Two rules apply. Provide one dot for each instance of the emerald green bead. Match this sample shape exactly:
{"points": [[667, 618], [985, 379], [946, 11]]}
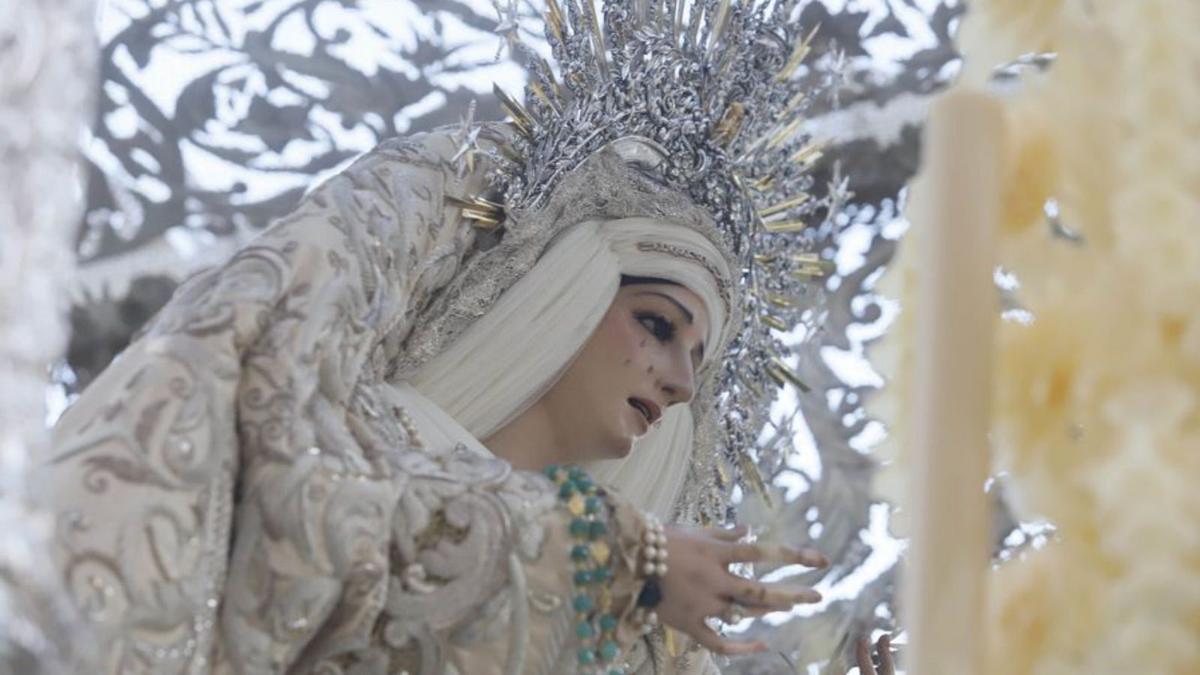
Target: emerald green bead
{"points": [[552, 472], [586, 656], [583, 603], [580, 528], [583, 577], [576, 473], [608, 623], [597, 529], [609, 650], [566, 490], [592, 505], [580, 552], [584, 630], [601, 574], [583, 484]]}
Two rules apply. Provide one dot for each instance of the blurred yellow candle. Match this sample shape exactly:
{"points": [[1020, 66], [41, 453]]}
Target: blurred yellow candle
{"points": [[955, 205]]}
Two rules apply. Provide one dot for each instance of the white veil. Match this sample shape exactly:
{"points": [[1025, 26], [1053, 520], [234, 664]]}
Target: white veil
{"points": [[509, 357]]}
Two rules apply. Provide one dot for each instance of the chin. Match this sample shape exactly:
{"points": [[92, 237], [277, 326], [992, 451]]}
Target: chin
{"points": [[620, 449]]}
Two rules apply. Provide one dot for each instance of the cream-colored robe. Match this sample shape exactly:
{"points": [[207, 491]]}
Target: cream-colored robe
{"points": [[241, 491]]}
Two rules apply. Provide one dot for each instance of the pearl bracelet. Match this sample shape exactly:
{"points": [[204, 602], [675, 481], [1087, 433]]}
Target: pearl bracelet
{"points": [[654, 549], [653, 567]]}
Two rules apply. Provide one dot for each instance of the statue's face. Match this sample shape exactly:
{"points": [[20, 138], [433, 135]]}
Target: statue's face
{"points": [[641, 360]]}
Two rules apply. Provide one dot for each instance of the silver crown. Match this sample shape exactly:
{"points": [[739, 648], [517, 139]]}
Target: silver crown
{"points": [[718, 87], [714, 87]]}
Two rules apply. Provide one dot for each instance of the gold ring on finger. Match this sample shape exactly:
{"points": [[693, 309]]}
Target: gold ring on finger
{"points": [[736, 613]]}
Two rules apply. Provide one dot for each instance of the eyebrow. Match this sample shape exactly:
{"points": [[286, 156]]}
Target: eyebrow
{"points": [[687, 314]]}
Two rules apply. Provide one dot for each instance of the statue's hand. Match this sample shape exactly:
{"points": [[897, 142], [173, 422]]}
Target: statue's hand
{"points": [[698, 584]]}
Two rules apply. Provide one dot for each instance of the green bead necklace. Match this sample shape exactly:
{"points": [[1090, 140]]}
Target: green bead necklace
{"points": [[595, 625]]}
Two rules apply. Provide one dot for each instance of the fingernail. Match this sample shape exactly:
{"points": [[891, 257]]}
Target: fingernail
{"points": [[808, 596]]}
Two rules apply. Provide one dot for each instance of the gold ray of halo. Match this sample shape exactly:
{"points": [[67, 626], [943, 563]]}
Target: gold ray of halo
{"points": [[754, 477], [554, 19], [784, 133], [809, 154], [763, 183], [792, 203], [784, 226], [521, 117], [794, 104], [797, 57], [544, 97], [482, 221], [774, 322], [780, 301], [722, 472], [782, 374], [486, 213], [601, 52], [810, 272]]}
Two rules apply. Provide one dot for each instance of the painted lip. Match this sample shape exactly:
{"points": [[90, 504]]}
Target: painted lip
{"points": [[648, 410], [643, 425]]}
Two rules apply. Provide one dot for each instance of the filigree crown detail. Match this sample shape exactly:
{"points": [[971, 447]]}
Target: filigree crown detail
{"points": [[712, 84], [721, 87]]}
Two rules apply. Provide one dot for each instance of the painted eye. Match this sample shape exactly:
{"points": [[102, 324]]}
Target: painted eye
{"points": [[662, 329]]}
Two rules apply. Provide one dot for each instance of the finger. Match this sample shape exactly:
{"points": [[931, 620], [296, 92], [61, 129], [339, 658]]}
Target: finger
{"points": [[786, 555], [748, 612], [731, 534], [884, 649], [744, 552], [773, 597], [862, 654], [710, 640], [737, 612], [794, 556]]}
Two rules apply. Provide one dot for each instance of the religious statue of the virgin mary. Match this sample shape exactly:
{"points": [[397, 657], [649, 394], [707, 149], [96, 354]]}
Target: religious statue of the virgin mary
{"points": [[476, 404]]}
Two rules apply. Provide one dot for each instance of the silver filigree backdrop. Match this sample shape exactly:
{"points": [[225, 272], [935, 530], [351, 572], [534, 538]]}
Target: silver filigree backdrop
{"points": [[215, 114]]}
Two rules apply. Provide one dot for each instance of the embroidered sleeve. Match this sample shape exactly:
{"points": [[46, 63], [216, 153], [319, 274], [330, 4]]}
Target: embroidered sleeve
{"points": [[220, 488]]}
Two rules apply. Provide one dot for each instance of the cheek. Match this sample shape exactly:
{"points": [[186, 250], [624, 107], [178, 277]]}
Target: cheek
{"points": [[626, 341]]}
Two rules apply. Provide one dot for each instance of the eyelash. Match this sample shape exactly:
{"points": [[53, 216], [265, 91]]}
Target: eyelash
{"points": [[662, 329]]}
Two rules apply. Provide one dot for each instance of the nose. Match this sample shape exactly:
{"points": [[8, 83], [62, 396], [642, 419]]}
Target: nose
{"points": [[678, 381]]}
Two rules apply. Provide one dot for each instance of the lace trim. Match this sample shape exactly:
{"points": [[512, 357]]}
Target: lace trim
{"points": [[699, 259]]}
